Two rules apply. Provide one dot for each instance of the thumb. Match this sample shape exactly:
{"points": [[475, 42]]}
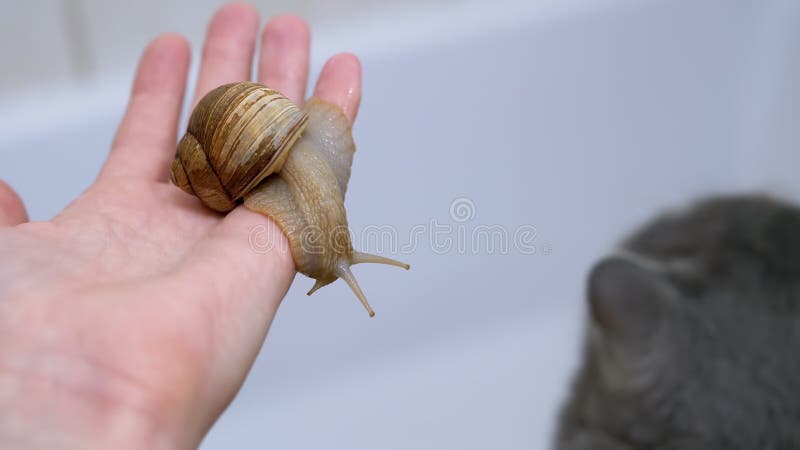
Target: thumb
{"points": [[12, 211]]}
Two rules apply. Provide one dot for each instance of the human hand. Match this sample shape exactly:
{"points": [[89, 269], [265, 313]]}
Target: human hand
{"points": [[131, 319]]}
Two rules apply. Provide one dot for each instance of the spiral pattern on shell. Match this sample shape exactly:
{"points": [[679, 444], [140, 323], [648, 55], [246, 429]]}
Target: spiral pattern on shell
{"points": [[237, 135]]}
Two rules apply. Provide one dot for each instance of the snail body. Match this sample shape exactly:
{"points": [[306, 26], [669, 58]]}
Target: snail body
{"points": [[248, 143]]}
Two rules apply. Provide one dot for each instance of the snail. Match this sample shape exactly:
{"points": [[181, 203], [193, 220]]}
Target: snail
{"points": [[246, 143]]}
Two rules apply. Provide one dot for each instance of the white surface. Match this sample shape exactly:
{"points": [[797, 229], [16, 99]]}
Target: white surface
{"points": [[33, 44], [67, 41], [580, 118]]}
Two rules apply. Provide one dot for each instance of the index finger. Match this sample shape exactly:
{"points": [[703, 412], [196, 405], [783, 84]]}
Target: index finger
{"points": [[145, 141]]}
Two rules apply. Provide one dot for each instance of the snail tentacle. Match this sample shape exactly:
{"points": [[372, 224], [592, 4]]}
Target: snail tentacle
{"points": [[319, 284], [343, 272], [361, 257]]}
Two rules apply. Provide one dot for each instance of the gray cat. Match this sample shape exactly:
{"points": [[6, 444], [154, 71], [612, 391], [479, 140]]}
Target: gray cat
{"points": [[693, 341]]}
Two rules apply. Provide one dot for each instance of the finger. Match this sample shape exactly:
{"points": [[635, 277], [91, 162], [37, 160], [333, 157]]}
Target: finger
{"points": [[145, 141], [283, 63], [340, 83], [228, 51], [12, 211]]}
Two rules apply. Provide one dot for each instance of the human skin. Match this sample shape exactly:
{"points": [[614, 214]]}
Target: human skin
{"points": [[131, 319]]}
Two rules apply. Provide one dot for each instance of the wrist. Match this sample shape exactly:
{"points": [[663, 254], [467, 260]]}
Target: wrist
{"points": [[57, 401]]}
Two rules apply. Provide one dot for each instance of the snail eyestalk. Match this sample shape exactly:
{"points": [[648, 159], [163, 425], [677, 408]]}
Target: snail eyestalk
{"points": [[344, 273], [360, 257]]}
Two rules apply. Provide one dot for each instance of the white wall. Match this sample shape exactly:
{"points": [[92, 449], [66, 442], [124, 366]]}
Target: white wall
{"points": [[70, 41]]}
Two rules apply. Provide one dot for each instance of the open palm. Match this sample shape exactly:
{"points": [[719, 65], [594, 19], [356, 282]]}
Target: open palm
{"points": [[132, 318]]}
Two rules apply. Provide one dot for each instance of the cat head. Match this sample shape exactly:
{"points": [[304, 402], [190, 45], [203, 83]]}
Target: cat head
{"points": [[692, 335]]}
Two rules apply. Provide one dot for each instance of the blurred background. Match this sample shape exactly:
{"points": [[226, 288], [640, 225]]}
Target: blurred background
{"points": [[504, 146]]}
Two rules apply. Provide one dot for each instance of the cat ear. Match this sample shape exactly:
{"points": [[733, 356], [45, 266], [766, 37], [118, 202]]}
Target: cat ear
{"points": [[629, 298]]}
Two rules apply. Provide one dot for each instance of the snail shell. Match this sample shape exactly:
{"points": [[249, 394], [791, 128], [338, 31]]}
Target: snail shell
{"points": [[229, 147], [240, 134]]}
